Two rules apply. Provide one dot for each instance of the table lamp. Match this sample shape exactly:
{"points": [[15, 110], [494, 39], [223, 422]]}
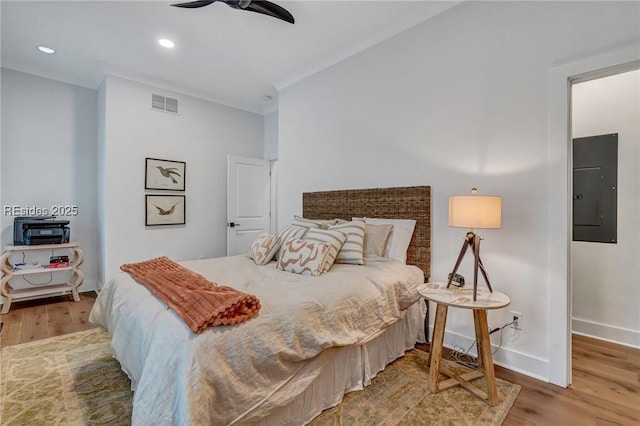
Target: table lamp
{"points": [[474, 212]]}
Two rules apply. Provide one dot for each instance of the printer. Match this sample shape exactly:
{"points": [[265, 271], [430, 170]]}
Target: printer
{"points": [[28, 231]]}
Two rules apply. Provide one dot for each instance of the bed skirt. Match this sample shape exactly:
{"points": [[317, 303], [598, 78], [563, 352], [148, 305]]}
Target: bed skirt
{"points": [[340, 370]]}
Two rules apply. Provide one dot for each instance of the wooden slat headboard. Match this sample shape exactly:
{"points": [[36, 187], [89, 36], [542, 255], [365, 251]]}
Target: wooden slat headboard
{"points": [[411, 202]]}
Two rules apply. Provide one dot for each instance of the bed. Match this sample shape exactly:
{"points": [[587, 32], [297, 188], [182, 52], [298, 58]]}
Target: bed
{"points": [[315, 338]]}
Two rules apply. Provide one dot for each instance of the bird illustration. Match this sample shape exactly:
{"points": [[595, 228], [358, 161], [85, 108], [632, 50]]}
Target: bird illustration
{"points": [[167, 172], [163, 212]]}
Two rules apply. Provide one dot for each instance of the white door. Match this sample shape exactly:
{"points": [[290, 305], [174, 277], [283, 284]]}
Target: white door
{"points": [[248, 202]]}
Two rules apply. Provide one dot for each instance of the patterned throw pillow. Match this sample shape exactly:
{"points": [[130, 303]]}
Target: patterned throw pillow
{"points": [[334, 238], [263, 248], [303, 257], [287, 233], [352, 250]]}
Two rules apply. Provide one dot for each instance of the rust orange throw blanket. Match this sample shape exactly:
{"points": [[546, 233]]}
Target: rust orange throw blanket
{"points": [[199, 302]]}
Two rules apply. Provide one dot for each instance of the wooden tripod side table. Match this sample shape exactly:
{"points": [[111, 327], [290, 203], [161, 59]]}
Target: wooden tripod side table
{"points": [[463, 298]]}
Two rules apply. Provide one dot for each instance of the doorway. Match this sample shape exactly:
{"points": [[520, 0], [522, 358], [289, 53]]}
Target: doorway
{"points": [[605, 294], [558, 276]]}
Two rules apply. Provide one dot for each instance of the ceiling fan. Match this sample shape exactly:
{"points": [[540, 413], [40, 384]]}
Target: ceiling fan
{"points": [[264, 7]]}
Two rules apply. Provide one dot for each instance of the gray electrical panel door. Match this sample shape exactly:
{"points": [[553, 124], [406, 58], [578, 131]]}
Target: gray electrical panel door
{"points": [[595, 179]]}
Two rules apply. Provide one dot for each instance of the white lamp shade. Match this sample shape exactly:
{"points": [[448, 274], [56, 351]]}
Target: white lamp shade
{"points": [[475, 211]]}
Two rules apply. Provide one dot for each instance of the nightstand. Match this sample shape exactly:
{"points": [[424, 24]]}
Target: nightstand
{"points": [[463, 298]]}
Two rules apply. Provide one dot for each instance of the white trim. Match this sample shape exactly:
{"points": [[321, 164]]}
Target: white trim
{"points": [[607, 332], [323, 63], [508, 358], [559, 254], [168, 86], [89, 285], [273, 224]]}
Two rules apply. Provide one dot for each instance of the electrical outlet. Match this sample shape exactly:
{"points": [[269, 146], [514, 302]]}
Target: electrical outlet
{"points": [[516, 317]]}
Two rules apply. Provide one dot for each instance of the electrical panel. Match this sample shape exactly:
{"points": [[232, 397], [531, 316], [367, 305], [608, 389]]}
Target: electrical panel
{"points": [[595, 179]]}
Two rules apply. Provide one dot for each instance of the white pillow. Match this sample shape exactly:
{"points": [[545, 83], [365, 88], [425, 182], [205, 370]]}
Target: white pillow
{"points": [[375, 239], [335, 239], [400, 237], [303, 257], [263, 248], [313, 223], [352, 250]]}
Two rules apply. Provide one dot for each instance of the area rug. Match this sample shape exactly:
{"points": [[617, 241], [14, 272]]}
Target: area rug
{"points": [[399, 396], [74, 380]]}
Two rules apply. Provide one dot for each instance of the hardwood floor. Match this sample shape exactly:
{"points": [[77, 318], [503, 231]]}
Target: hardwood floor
{"points": [[38, 319], [605, 389]]}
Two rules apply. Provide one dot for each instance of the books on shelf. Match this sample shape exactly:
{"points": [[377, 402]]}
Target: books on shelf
{"points": [[58, 261]]}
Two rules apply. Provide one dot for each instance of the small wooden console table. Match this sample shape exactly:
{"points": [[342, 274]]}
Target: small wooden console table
{"points": [[8, 272], [463, 298]]}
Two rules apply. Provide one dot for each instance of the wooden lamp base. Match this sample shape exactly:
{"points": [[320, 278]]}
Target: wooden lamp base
{"points": [[471, 240]]}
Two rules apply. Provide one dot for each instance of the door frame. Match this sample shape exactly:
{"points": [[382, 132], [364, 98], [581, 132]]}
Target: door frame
{"points": [[560, 80], [270, 200]]}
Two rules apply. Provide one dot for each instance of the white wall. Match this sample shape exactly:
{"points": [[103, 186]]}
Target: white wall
{"points": [[202, 135], [456, 102], [49, 157], [605, 276], [271, 136]]}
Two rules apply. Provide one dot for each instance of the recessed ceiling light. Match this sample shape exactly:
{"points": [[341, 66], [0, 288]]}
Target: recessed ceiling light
{"points": [[166, 43], [47, 50], [267, 97]]}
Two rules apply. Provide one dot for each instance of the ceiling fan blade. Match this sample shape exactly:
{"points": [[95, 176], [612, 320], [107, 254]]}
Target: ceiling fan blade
{"points": [[194, 4], [271, 9]]}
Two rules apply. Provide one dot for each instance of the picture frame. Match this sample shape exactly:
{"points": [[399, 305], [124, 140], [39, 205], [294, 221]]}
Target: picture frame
{"points": [[166, 175], [165, 210]]}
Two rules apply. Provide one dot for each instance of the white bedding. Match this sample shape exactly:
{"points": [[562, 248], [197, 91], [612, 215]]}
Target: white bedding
{"points": [[231, 374]]}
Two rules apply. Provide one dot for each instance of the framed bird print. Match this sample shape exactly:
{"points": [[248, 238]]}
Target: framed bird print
{"points": [[164, 174], [165, 210]]}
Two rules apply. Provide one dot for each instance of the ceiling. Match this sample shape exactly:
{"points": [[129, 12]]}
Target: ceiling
{"points": [[221, 54]]}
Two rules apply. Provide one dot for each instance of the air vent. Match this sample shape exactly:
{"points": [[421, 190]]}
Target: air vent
{"points": [[171, 105], [163, 103], [157, 102]]}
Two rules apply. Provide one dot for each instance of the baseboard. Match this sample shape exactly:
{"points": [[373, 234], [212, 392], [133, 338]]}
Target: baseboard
{"points": [[519, 362], [88, 285], [607, 332]]}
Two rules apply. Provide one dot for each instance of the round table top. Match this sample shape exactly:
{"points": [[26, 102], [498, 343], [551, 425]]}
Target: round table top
{"points": [[463, 297]]}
